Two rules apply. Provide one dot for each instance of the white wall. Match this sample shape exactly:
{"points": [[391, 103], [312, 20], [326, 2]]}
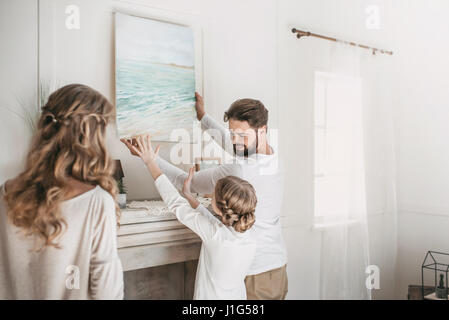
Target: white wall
{"points": [[18, 81], [249, 51], [422, 135]]}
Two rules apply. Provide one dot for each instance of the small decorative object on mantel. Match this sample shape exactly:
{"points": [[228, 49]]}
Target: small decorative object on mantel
{"points": [[118, 176], [437, 262]]}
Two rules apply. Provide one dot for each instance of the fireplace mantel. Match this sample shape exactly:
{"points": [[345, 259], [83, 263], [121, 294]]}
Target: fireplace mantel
{"points": [[146, 239]]}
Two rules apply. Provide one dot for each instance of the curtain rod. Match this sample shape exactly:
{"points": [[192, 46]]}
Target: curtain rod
{"points": [[300, 34]]}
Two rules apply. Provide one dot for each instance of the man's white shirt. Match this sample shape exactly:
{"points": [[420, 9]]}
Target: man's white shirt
{"points": [[265, 173]]}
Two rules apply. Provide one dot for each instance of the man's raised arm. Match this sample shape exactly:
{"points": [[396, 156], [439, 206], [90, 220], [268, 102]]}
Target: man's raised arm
{"points": [[215, 129]]}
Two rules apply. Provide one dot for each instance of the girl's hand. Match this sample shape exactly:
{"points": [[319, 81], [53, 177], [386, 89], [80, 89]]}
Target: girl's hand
{"points": [[194, 203], [187, 182], [141, 146], [129, 143]]}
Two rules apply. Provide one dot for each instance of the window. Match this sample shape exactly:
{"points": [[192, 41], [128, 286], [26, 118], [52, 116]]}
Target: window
{"points": [[339, 191]]}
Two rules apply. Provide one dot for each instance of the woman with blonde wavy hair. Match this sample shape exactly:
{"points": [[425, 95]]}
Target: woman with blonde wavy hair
{"points": [[58, 217], [229, 244]]}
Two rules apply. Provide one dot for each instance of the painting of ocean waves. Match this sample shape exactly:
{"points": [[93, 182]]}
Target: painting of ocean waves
{"points": [[155, 77]]}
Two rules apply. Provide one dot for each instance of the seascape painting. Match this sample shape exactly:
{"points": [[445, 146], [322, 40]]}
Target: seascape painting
{"points": [[155, 77]]}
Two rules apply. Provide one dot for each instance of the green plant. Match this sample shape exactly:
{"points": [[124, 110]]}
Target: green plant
{"points": [[28, 111], [121, 186], [44, 93]]}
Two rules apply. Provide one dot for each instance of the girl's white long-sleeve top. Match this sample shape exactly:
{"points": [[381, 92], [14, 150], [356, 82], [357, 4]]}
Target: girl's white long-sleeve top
{"points": [[226, 255]]}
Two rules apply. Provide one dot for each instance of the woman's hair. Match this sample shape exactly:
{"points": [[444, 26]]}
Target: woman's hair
{"points": [[69, 143], [236, 199]]}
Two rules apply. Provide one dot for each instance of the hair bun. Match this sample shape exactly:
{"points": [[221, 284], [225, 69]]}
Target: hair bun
{"points": [[236, 199]]}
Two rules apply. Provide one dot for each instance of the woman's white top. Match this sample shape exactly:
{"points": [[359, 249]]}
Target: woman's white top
{"points": [[86, 267], [226, 255]]}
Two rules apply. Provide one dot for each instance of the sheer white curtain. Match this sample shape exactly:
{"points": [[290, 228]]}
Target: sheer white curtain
{"points": [[343, 196]]}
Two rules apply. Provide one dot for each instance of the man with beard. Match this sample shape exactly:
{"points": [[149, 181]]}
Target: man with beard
{"points": [[257, 162]]}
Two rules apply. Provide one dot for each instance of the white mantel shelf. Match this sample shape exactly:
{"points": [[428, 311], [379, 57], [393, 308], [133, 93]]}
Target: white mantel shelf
{"points": [[148, 240]]}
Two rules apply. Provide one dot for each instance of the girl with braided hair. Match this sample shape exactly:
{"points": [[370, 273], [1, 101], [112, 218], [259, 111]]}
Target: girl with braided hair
{"points": [[228, 241]]}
